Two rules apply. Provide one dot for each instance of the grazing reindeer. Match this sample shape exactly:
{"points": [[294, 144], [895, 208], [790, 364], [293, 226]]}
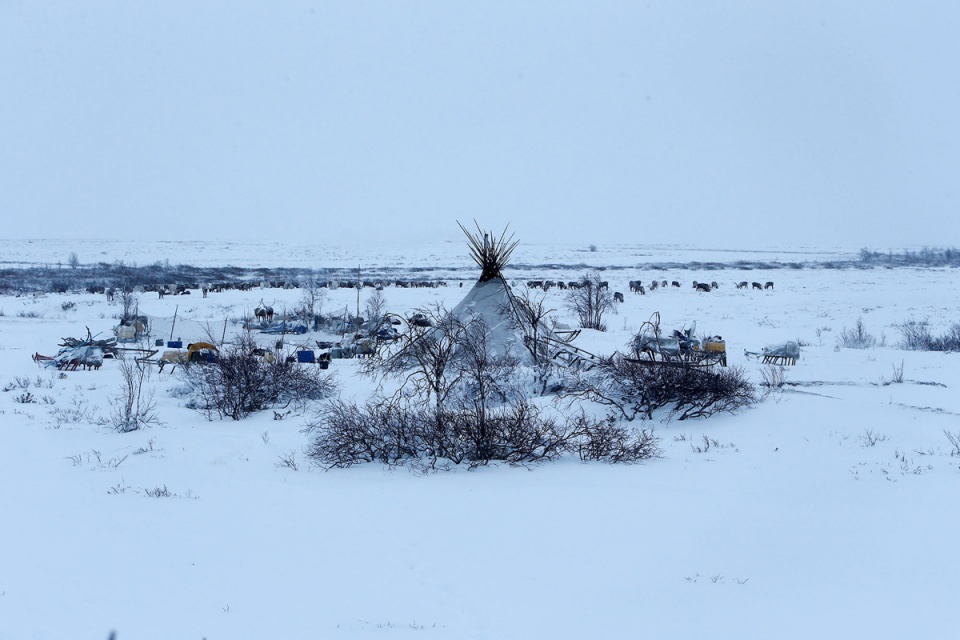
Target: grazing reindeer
{"points": [[702, 286], [617, 296], [769, 285], [673, 284], [654, 285], [757, 285], [742, 285], [264, 312], [714, 285]]}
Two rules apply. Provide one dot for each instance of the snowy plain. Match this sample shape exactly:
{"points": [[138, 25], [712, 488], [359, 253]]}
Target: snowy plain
{"points": [[827, 510]]}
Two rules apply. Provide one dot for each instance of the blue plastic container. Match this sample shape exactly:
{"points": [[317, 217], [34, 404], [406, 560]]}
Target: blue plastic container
{"points": [[175, 344], [306, 356]]}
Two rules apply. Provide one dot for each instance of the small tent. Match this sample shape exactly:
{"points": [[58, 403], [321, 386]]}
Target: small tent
{"points": [[491, 299]]}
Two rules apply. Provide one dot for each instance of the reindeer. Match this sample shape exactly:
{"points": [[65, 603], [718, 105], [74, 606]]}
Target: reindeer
{"points": [[742, 285], [617, 296], [264, 313], [769, 285], [673, 284], [702, 286]]}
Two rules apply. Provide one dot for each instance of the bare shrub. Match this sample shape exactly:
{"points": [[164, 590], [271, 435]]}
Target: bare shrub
{"points": [[397, 432], [954, 439], [590, 301], [239, 382], [425, 357], [707, 441], [612, 441], [636, 388], [870, 438], [531, 314], [134, 407], [773, 377], [375, 309], [917, 336], [856, 338], [288, 461], [897, 374]]}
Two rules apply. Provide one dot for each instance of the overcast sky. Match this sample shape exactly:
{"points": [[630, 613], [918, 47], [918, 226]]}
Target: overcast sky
{"points": [[714, 123]]}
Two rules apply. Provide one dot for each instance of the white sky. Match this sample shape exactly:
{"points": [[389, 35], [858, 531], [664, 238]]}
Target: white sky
{"points": [[720, 124]]}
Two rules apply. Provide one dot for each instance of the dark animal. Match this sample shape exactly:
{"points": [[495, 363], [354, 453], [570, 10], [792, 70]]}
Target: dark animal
{"points": [[263, 312], [617, 296], [702, 286], [714, 285], [742, 285], [654, 285], [769, 285], [757, 285], [674, 283]]}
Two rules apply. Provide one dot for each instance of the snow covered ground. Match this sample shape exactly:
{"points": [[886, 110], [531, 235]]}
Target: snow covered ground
{"points": [[828, 510]]}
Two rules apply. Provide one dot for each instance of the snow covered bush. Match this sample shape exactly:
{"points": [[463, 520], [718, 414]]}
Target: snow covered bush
{"points": [[134, 407], [240, 382], [609, 440], [917, 336], [590, 300], [398, 432], [633, 388], [857, 338]]}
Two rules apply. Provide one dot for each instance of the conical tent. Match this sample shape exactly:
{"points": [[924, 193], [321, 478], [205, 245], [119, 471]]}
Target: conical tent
{"points": [[490, 299]]}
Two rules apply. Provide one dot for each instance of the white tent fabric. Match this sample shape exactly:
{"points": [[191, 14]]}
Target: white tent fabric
{"points": [[492, 302]]}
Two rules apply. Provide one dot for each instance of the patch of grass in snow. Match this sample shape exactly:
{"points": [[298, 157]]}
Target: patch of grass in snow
{"points": [[870, 438]]}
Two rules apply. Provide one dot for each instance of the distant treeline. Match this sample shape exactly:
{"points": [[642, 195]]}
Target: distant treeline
{"points": [[926, 257]]}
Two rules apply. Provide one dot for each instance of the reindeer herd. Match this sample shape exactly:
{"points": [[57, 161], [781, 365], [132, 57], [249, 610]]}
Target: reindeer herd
{"points": [[638, 286]]}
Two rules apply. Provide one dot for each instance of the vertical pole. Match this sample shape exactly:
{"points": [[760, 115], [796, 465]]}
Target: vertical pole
{"points": [[177, 308]]}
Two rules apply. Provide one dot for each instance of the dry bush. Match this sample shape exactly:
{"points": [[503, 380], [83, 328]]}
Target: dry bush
{"points": [[590, 301], [856, 338], [134, 407], [611, 441], [918, 337], [635, 388], [954, 439], [773, 377], [403, 433], [239, 382]]}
